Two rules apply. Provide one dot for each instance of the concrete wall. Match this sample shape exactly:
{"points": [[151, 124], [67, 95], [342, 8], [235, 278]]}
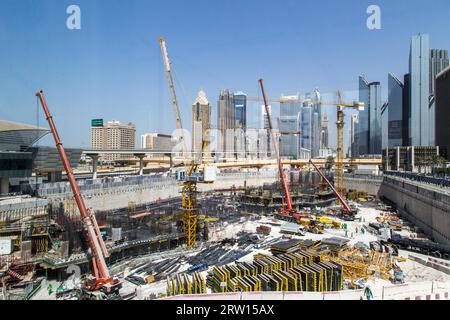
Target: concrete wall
{"points": [[109, 196], [427, 208], [371, 185]]}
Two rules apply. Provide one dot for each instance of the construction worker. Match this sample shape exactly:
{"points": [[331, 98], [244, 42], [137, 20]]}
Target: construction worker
{"points": [[50, 289], [368, 293]]}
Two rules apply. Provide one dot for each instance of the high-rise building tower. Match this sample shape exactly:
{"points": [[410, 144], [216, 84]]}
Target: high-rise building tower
{"points": [[240, 111], [368, 129], [264, 136], [201, 125], [438, 62], [375, 105], [226, 122], [406, 112], [362, 129], [290, 126], [384, 125], [306, 130], [113, 136], [395, 112], [419, 69], [442, 129], [353, 127], [324, 131], [316, 124]]}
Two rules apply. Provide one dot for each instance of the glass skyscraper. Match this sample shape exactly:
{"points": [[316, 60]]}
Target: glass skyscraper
{"points": [[306, 130], [375, 118], [438, 62], [290, 126], [394, 113], [362, 127], [368, 128], [240, 108], [419, 90]]}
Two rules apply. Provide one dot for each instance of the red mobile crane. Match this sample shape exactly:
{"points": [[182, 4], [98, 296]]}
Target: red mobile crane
{"points": [[102, 280], [289, 210], [348, 213]]}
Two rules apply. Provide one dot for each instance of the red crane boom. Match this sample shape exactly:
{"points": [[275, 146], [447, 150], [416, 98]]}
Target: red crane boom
{"points": [[95, 240], [347, 208], [277, 154]]}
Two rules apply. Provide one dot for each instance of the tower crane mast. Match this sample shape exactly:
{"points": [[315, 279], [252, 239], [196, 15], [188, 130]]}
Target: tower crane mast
{"points": [[191, 177]]}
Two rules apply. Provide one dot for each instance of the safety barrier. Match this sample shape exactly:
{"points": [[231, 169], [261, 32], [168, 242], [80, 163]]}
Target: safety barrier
{"points": [[427, 290]]}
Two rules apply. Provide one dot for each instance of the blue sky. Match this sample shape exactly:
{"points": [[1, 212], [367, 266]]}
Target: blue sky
{"points": [[112, 68]]}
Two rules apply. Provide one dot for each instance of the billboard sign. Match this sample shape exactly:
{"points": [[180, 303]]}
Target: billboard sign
{"points": [[97, 122]]}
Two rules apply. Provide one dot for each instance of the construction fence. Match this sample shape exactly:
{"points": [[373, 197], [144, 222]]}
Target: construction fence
{"points": [[427, 290]]}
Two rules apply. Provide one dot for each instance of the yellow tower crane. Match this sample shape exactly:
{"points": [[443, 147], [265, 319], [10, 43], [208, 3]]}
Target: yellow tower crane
{"points": [[194, 172], [339, 183]]}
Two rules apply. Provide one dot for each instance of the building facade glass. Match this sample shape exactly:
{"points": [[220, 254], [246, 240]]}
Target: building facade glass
{"points": [[290, 126], [419, 70], [395, 112]]}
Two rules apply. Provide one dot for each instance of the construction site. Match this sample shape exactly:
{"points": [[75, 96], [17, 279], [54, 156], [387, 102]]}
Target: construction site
{"points": [[206, 229]]}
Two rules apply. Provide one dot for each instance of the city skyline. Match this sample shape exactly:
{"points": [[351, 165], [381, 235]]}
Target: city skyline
{"points": [[112, 66]]}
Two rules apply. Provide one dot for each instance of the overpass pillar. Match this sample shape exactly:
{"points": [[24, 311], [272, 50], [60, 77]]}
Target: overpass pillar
{"points": [[141, 157], [4, 186], [94, 157], [170, 160]]}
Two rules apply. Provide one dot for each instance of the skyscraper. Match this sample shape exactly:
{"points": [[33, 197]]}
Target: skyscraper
{"points": [[406, 112], [240, 107], [306, 130], [395, 112], [384, 125], [443, 110], [264, 135], [353, 126], [240, 110], [438, 62], [316, 125], [226, 122], [324, 131], [290, 126], [419, 69], [201, 124], [375, 118], [368, 129], [362, 128]]}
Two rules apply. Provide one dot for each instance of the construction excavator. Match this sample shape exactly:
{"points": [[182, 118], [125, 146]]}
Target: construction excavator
{"points": [[100, 285]]}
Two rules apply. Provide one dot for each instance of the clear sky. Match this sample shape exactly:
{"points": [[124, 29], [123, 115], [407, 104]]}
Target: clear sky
{"points": [[112, 68]]}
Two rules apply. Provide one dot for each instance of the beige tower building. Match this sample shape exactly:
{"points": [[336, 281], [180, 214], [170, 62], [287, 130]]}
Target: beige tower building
{"points": [[113, 136], [201, 124]]}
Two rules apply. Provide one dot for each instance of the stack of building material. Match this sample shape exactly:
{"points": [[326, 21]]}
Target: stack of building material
{"points": [[293, 271], [182, 283], [358, 264], [287, 246]]}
